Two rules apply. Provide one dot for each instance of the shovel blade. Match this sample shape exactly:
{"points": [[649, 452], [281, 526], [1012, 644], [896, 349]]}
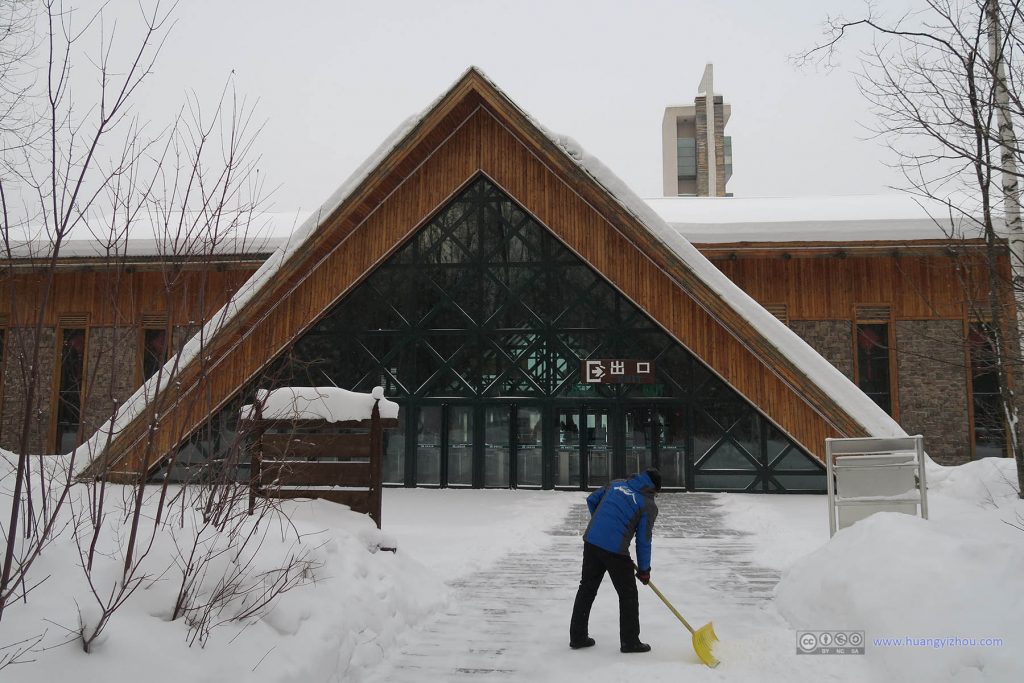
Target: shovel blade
{"points": [[704, 640]]}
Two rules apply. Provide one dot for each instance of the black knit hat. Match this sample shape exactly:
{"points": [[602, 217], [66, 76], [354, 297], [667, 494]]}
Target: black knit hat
{"points": [[655, 476]]}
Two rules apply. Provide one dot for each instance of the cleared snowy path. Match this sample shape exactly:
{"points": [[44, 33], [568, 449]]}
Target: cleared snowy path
{"points": [[509, 622]]}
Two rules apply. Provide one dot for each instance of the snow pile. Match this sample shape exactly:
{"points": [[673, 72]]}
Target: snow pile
{"points": [[320, 403], [991, 482], [349, 604], [939, 599]]}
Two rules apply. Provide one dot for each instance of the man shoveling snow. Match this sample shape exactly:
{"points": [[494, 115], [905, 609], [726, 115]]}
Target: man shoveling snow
{"points": [[621, 510]]}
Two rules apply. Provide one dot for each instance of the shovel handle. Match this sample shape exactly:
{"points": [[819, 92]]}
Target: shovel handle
{"points": [[669, 605]]}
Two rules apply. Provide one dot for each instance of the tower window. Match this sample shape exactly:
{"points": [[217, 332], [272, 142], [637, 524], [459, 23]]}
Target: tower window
{"points": [[686, 155]]}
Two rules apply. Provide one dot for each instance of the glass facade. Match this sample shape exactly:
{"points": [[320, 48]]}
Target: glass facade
{"points": [[477, 326]]}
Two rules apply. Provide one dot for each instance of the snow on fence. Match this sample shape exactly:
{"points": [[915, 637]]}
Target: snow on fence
{"points": [[319, 442]]}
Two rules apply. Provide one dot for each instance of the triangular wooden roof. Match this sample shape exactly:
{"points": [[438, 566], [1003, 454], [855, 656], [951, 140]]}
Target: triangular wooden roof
{"points": [[475, 128]]}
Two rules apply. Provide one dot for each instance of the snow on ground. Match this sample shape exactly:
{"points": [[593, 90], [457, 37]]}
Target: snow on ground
{"points": [[459, 531], [943, 584], [352, 602], [338, 626], [483, 581]]}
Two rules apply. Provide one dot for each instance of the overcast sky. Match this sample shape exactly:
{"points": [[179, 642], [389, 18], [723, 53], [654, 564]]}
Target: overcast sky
{"points": [[333, 79]]}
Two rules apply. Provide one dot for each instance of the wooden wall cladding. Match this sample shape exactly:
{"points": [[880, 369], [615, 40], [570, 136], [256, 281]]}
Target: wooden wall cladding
{"points": [[920, 287], [113, 298], [473, 130]]}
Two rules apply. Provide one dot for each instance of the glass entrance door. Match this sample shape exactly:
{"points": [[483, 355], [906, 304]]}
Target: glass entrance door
{"points": [[460, 446], [598, 442], [428, 446], [497, 446], [529, 446], [640, 437], [670, 422], [567, 449]]}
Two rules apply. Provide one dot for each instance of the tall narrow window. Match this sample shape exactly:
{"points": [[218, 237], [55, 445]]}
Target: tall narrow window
{"points": [[873, 363], [988, 415], [69, 392], [727, 149], [686, 157], [154, 351], [3, 367]]}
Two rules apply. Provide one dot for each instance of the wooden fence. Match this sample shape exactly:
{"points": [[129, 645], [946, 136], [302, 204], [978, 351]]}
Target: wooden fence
{"points": [[336, 461]]}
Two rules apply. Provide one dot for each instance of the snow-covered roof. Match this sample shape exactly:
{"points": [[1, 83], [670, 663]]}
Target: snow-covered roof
{"points": [[701, 220], [836, 385], [252, 234], [847, 218]]}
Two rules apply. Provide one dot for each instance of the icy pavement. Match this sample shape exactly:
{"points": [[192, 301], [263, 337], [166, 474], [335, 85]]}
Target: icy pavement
{"points": [[509, 621]]}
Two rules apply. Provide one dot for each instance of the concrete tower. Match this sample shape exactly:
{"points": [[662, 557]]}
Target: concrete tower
{"points": [[687, 133]]}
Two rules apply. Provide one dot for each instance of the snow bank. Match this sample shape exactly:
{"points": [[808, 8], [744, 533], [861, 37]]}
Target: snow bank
{"points": [[353, 604], [939, 599], [901, 577], [320, 403], [356, 608], [991, 482]]}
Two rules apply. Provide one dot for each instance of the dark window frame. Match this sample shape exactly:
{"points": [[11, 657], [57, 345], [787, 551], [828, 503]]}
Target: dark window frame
{"points": [[62, 408], [144, 333], [981, 396], [858, 321], [4, 343]]}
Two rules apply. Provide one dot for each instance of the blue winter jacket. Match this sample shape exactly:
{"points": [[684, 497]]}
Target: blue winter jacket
{"points": [[618, 511]]}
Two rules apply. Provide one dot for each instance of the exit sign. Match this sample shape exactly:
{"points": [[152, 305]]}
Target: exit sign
{"points": [[613, 371]]}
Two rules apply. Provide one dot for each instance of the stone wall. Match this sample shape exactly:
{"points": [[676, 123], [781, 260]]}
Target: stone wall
{"points": [[720, 146], [833, 339], [933, 387], [112, 367], [701, 137], [18, 374]]}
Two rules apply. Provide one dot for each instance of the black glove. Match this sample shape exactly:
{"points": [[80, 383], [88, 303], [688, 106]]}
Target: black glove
{"points": [[643, 576]]}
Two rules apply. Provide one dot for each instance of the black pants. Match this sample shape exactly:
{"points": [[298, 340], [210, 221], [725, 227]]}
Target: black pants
{"points": [[597, 561]]}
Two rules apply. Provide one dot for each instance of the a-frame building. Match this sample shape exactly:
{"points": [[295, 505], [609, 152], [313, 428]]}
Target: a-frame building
{"points": [[469, 266]]}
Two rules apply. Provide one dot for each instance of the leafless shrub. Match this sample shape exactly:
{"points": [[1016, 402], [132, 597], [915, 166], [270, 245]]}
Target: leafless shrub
{"points": [[944, 81], [94, 170]]}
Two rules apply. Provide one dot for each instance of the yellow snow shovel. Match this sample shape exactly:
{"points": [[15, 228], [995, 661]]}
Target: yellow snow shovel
{"points": [[704, 638]]}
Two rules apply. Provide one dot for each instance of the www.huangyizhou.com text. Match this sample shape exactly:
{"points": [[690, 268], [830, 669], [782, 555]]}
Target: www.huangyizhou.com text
{"points": [[937, 643]]}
